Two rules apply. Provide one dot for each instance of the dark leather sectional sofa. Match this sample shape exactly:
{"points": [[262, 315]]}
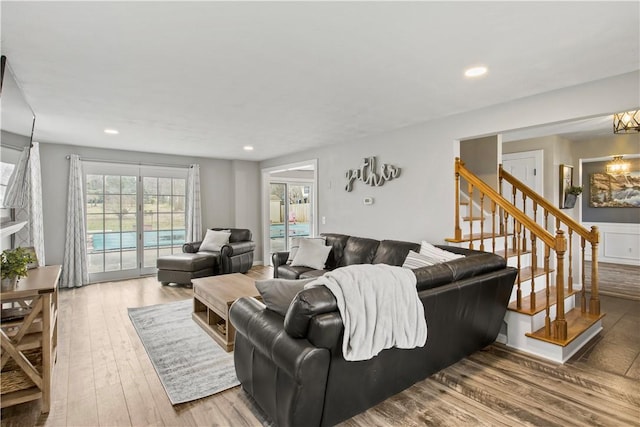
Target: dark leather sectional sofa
{"points": [[293, 366]]}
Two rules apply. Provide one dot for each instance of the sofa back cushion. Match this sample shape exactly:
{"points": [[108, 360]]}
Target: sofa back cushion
{"points": [[359, 250], [337, 243], [237, 234], [474, 264], [394, 252]]}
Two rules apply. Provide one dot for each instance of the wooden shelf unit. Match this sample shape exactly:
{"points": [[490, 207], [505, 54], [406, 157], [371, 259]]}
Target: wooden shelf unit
{"points": [[30, 338]]}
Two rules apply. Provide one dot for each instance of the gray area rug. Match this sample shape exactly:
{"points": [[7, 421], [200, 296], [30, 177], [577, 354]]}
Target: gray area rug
{"points": [[189, 363]]}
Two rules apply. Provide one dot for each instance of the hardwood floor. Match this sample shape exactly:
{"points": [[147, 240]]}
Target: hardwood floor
{"points": [[103, 376], [616, 280]]}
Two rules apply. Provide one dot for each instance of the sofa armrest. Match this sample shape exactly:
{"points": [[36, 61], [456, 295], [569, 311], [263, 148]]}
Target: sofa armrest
{"points": [[232, 249], [265, 331], [278, 259], [326, 330], [285, 375], [191, 247], [307, 304]]}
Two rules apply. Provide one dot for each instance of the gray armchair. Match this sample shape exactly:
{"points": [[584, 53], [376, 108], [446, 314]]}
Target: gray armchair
{"points": [[234, 257]]}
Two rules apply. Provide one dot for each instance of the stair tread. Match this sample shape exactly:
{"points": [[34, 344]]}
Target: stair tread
{"points": [[577, 323], [474, 218], [476, 236], [526, 273], [541, 301], [511, 253]]}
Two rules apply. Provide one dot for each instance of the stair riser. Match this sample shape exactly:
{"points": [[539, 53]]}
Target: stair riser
{"points": [[557, 353], [533, 323], [525, 261], [539, 284]]}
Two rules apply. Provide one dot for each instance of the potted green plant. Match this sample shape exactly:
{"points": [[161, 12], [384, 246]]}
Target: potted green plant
{"points": [[571, 196], [14, 265]]}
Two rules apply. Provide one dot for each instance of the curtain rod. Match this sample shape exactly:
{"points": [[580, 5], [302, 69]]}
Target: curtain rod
{"points": [[124, 162]]}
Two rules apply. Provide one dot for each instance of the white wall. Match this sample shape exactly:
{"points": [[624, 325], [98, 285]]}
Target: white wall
{"points": [[220, 182], [557, 151], [481, 156], [247, 202], [419, 204]]}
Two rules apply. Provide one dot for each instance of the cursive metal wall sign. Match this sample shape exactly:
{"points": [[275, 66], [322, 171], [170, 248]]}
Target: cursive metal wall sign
{"points": [[367, 173]]}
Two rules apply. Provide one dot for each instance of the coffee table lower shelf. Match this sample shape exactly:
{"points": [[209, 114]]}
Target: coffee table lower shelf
{"points": [[212, 298], [213, 324]]}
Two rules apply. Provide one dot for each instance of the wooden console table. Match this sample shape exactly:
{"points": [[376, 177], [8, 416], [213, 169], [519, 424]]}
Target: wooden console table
{"points": [[28, 334]]}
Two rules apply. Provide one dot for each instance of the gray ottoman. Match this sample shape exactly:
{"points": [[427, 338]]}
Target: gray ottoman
{"points": [[181, 268]]}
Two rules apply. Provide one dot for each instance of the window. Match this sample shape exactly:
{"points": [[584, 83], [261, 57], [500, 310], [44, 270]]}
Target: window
{"points": [[133, 216], [5, 173], [164, 217]]}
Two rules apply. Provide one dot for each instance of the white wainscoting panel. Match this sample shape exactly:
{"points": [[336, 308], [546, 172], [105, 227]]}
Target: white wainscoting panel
{"points": [[619, 243]]}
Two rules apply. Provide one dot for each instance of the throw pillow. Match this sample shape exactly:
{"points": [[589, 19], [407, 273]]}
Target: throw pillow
{"points": [[311, 255], [214, 240], [415, 260], [437, 255], [277, 294], [295, 245]]}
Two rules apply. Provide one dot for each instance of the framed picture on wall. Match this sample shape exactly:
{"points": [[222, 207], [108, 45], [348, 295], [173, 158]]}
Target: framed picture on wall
{"points": [[615, 191], [566, 182]]}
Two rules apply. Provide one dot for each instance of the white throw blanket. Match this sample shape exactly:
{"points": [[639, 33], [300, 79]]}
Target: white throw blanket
{"points": [[379, 306]]}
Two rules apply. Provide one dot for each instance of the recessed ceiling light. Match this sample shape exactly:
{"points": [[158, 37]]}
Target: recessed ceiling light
{"points": [[248, 148], [111, 131], [475, 71]]}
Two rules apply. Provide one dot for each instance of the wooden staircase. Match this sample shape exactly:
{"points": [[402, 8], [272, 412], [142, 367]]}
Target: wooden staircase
{"points": [[547, 314]]}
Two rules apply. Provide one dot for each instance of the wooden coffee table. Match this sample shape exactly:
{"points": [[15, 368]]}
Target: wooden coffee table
{"points": [[212, 297]]}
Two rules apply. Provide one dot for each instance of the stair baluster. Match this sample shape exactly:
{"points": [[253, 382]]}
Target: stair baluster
{"points": [[493, 226], [547, 317], [481, 221], [534, 269], [470, 192], [570, 274], [518, 228], [594, 303], [583, 292], [561, 323]]}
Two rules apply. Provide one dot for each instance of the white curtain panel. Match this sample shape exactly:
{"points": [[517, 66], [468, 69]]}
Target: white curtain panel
{"points": [[194, 211], [74, 264], [17, 193], [32, 234]]}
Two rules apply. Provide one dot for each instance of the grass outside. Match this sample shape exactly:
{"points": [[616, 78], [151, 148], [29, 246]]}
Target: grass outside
{"points": [[156, 217]]}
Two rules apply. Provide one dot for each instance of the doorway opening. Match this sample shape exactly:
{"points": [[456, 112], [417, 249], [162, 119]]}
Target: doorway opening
{"points": [[289, 205]]}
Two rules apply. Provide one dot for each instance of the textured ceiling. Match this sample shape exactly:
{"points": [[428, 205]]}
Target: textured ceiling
{"points": [[206, 78]]}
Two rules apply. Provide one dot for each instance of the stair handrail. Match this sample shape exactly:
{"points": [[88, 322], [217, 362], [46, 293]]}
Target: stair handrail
{"points": [[505, 204], [592, 235]]}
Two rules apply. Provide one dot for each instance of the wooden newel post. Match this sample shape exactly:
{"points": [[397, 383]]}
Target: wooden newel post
{"points": [[561, 322], [594, 302], [458, 230]]}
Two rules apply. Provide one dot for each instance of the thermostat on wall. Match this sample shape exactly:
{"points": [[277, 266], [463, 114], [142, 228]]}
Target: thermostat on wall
{"points": [[368, 200]]}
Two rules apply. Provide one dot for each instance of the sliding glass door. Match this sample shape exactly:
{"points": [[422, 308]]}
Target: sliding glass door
{"points": [[133, 215], [290, 215], [163, 220]]}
